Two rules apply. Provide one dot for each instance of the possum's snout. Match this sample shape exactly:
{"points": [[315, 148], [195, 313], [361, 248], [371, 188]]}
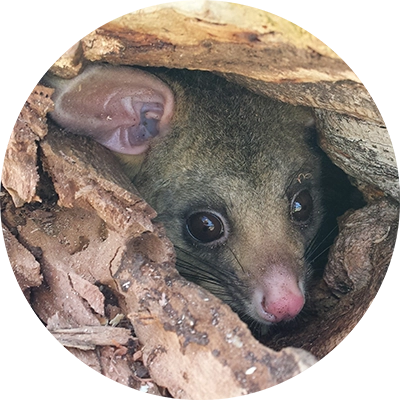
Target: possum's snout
{"points": [[277, 298]]}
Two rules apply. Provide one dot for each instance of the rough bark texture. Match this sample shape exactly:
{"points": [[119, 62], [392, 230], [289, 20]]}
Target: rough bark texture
{"points": [[101, 275], [20, 173], [363, 150]]}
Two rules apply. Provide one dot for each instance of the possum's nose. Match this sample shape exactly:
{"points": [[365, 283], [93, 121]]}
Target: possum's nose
{"points": [[278, 298], [283, 309]]}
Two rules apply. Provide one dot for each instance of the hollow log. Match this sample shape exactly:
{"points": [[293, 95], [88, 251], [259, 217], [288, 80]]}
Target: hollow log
{"points": [[100, 274]]}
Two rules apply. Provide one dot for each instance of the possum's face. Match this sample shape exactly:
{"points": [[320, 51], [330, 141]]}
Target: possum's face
{"points": [[237, 187], [230, 174]]}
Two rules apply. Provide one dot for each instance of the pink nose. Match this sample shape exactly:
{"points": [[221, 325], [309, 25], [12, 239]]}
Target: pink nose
{"points": [[283, 309], [277, 297]]}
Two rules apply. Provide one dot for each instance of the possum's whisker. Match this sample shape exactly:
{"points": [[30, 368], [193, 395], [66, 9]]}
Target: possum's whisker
{"points": [[316, 244], [258, 329], [188, 269], [209, 268], [320, 254], [210, 277], [196, 277], [235, 257], [206, 271]]}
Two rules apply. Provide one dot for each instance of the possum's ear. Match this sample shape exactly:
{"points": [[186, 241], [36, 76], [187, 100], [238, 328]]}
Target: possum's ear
{"points": [[120, 107]]}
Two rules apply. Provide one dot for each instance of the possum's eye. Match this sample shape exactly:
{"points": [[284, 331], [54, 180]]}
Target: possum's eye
{"points": [[205, 227], [301, 207]]}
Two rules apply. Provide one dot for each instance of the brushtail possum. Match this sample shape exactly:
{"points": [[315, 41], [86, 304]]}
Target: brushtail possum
{"points": [[231, 174]]}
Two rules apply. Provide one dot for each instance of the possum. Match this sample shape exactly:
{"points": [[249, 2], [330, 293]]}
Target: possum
{"points": [[235, 177]]}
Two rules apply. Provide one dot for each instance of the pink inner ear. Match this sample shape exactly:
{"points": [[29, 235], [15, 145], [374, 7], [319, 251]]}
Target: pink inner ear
{"points": [[120, 107]]}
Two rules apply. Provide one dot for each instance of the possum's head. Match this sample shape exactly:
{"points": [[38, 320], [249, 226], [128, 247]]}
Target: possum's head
{"points": [[233, 178]]}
